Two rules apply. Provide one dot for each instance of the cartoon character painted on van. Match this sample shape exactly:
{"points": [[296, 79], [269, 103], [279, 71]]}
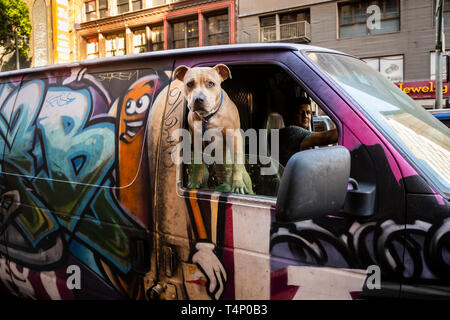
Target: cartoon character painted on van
{"points": [[87, 167]]}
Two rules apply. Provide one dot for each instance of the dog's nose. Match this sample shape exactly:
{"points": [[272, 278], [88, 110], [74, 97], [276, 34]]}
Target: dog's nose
{"points": [[199, 100]]}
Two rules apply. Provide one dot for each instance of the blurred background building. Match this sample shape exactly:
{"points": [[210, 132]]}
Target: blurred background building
{"points": [[117, 27], [401, 46]]}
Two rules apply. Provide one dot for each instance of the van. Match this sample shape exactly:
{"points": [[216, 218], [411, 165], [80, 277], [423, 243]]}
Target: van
{"points": [[93, 205]]}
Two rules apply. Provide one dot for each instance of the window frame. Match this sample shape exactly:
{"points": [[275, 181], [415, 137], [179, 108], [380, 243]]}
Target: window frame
{"points": [[182, 188], [388, 56], [100, 12], [97, 52], [368, 32], [87, 14], [115, 49], [144, 46], [186, 38], [157, 43], [278, 24], [209, 34]]}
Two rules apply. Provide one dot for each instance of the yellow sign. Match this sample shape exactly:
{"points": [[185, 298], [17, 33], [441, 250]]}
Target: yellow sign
{"points": [[61, 35], [422, 89]]}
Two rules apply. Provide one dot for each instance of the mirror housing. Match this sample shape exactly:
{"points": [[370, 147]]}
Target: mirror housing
{"points": [[314, 184]]}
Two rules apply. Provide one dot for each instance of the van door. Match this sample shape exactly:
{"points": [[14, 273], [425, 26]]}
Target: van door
{"points": [[78, 163], [220, 245], [369, 238]]}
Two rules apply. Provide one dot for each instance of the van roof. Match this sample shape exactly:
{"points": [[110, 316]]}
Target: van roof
{"points": [[175, 52]]}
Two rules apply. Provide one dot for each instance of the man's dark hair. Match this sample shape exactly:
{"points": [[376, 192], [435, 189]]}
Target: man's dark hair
{"points": [[296, 102], [301, 100]]}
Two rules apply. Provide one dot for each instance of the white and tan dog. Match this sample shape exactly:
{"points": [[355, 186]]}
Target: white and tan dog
{"points": [[209, 104]]}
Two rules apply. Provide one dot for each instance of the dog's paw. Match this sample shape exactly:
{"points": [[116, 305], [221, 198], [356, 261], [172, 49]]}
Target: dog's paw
{"points": [[193, 185], [239, 186]]}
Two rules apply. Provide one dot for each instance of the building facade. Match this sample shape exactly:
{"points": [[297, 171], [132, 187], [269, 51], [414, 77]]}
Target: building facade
{"points": [[396, 37], [53, 37], [118, 27]]}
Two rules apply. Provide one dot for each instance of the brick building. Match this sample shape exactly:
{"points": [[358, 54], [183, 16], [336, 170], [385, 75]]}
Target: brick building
{"points": [[117, 27]]}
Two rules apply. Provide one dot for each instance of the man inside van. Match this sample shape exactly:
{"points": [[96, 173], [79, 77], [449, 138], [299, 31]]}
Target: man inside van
{"points": [[296, 136]]}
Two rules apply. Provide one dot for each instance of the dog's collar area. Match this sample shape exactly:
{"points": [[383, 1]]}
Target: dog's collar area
{"points": [[209, 116]]}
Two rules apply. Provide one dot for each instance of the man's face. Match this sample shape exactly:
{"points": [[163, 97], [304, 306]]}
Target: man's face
{"points": [[303, 116]]}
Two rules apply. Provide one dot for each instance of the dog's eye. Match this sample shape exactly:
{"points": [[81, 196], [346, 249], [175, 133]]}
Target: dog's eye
{"points": [[190, 84], [211, 84]]}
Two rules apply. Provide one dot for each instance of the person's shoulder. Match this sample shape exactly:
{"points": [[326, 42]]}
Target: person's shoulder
{"points": [[295, 130]]}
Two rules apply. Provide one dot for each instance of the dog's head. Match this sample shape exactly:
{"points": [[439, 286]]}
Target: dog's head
{"points": [[202, 86]]}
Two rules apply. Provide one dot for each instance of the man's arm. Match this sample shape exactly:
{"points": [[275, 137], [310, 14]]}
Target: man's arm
{"points": [[321, 138]]}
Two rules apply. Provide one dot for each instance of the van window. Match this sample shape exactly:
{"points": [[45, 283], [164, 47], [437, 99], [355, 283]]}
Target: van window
{"points": [[269, 101]]}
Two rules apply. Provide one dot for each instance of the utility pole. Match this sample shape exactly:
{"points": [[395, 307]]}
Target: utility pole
{"points": [[440, 50]]}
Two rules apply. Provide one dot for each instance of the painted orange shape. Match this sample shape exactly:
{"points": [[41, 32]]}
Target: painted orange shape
{"points": [[132, 160]]}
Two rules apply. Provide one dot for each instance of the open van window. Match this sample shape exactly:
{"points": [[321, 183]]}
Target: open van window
{"points": [[422, 137], [268, 99]]}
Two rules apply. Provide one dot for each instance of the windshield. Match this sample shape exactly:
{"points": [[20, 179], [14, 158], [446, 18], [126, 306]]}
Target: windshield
{"points": [[424, 138]]}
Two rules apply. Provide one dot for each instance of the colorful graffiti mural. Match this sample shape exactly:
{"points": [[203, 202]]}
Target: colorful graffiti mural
{"points": [[59, 194]]}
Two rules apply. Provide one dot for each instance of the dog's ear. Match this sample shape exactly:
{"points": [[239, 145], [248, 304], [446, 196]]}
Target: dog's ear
{"points": [[180, 72], [223, 71]]}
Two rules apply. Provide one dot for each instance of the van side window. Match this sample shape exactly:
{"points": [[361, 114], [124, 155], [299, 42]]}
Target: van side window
{"points": [[276, 118]]}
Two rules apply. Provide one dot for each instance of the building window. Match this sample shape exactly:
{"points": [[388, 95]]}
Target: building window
{"points": [[218, 30], [91, 10], [157, 38], [96, 8], [92, 48], [391, 67], [115, 45], [123, 6], [139, 41], [292, 24], [185, 34], [137, 5], [288, 26], [355, 20], [103, 8], [268, 28]]}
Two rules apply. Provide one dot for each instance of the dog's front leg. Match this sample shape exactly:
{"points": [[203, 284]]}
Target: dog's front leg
{"points": [[241, 180], [198, 176]]}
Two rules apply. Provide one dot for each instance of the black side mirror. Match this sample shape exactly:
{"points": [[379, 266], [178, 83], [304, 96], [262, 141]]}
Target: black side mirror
{"points": [[314, 184]]}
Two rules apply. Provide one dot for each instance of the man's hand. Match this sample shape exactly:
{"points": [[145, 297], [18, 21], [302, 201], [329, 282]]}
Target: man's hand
{"points": [[211, 266], [321, 138]]}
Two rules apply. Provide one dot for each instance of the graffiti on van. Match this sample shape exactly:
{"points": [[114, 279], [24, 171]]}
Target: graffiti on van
{"points": [[64, 184], [416, 249]]}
